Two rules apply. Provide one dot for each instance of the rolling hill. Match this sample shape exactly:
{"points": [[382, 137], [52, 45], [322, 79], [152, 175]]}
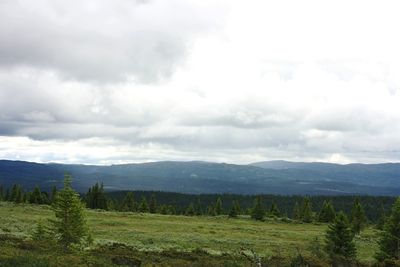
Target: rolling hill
{"points": [[273, 177]]}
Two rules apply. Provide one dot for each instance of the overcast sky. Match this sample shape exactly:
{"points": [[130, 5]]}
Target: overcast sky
{"points": [[116, 81]]}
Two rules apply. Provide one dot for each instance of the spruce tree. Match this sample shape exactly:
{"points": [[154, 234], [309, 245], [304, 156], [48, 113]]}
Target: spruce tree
{"points": [[233, 212], [296, 211], [190, 210], [358, 218], [389, 242], [69, 224], [327, 212], [7, 196], [211, 210], [339, 242], [274, 210], [53, 193], [197, 207], [128, 204], [382, 217], [258, 212], [36, 196], [153, 204], [143, 207], [218, 207], [306, 214], [1, 193]]}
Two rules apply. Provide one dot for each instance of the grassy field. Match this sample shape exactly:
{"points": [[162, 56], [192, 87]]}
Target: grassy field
{"points": [[216, 235]]}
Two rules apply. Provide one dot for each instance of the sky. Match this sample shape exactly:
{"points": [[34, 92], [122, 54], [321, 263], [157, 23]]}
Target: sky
{"points": [[109, 82]]}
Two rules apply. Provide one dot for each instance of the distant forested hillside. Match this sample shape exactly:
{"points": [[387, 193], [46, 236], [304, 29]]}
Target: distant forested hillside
{"points": [[284, 178]]}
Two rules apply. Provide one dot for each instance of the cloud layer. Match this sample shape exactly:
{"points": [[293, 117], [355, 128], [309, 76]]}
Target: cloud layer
{"points": [[128, 81]]}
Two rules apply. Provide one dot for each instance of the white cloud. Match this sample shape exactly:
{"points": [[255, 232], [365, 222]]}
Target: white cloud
{"points": [[311, 80]]}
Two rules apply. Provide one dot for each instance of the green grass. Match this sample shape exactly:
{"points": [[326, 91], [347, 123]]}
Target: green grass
{"points": [[216, 235]]}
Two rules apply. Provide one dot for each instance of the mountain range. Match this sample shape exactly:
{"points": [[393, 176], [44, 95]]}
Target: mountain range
{"points": [[268, 177]]}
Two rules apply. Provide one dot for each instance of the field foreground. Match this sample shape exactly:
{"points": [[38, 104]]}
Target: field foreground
{"points": [[155, 239]]}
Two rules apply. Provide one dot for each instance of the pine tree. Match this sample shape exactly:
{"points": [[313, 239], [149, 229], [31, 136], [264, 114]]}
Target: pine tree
{"points": [[211, 210], [327, 212], [218, 207], [296, 211], [358, 218], [36, 196], [128, 204], [7, 196], [163, 209], [382, 217], [153, 204], [339, 242], [143, 207], [190, 210], [233, 212], [69, 224], [1, 193], [53, 193], [197, 208], [258, 211], [389, 242], [274, 210], [306, 214]]}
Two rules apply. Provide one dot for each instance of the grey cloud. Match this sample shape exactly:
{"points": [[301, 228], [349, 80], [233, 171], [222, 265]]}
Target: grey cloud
{"points": [[101, 41]]}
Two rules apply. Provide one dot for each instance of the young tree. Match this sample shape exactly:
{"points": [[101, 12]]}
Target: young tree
{"points": [[358, 218], [69, 224], [211, 210], [327, 212], [382, 217], [339, 242], [233, 212], [190, 210], [153, 204], [306, 214], [258, 211], [53, 193], [197, 207], [296, 211], [389, 242], [128, 204], [218, 207], [274, 210], [143, 207], [36, 196]]}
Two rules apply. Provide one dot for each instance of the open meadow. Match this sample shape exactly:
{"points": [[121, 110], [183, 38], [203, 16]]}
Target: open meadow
{"points": [[218, 236]]}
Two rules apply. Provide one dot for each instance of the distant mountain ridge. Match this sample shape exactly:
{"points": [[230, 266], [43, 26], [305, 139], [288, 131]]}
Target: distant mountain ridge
{"points": [[270, 177]]}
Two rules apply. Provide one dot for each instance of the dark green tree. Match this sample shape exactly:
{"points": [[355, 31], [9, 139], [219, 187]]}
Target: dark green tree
{"points": [[143, 206], [197, 207], [218, 207], [153, 204], [339, 242], [327, 212], [258, 212], [69, 224], [389, 242], [211, 210], [190, 211], [95, 197], [296, 211], [306, 214], [36, 196], [128, 204], [234, 212], [382, 217], [274, 210], [53, 193], [1, 193], [357, 218]]}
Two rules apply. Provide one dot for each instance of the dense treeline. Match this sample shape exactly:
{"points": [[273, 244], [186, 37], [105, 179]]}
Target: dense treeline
{"points": [[307, 209]]}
